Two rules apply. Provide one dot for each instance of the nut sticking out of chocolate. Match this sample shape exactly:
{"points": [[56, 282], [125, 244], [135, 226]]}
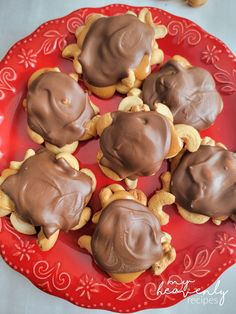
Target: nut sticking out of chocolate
{"points": [[135, 140], [128, 239], [204, 182], [48, 192], [188, 91], [112, 46], [115, 53], [33, 197]]}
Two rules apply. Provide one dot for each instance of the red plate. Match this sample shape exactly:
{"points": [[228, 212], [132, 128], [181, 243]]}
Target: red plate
{"points": [[203, 252]]}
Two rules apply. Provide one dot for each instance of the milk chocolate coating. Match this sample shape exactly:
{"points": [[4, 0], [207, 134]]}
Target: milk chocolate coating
{"points": [[112, 46], [48, 192], [58, 108], [189, 93], [205, 182], [127, 238], [136, 143]]}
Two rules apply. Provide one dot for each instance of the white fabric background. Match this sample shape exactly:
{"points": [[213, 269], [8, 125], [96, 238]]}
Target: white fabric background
{"points": [[18, 18]]}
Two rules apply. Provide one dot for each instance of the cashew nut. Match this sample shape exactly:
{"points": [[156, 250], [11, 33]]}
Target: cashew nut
{"points": [[218, 220], [71, 51], [85, 243], [164, 110], [84, 218], [135, 92], [6, 204], [104, 122], [128, 102], [139, 196], [165, 179], [189, 136], [91, 129], [164, 262], [6, 173], [192, 217], [20, 225], [74, 76], [131, 13], [140, 108], [44, 243], [107, 192], [183, 61], [196, 3], [107, 171], [90, 174], [72, 161], [208, 141], [157, 202], [129, 81], [157, 56], [35, 137], [131, 184], [15, 165], [68, 148], [37, 73]]}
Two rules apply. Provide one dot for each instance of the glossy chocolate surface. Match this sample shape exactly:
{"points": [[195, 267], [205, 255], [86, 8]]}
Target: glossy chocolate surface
{"points": [[58, 109], [112, 46], [190, 93], [48, 192], [136, 143], [205, 182], [127, 238]]}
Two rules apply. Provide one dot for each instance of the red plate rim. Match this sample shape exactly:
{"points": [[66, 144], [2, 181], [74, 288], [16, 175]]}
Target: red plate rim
{"points": [[200, 29]]}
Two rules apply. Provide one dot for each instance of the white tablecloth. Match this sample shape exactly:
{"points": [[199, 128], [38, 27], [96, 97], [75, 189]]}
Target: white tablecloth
{"points": [[18, 18]]}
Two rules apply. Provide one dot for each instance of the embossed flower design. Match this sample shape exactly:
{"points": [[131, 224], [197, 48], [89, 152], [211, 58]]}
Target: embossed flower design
{"points": [[28, 58], [210, 55], [24, 250], [225, 243], [87, 286]]}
